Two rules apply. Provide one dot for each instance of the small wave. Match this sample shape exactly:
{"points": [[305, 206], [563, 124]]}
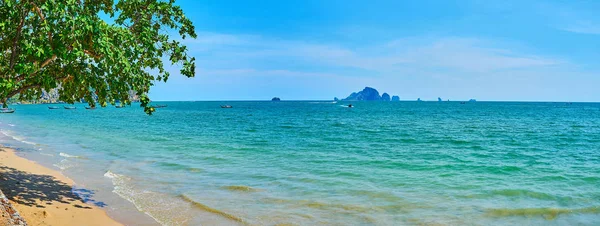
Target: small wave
{"points": [[334, 206], [241, 188], [195, 170], [547, 213], [111, 175], [11, 125], [516, 193], [459, 142], [211, 210], [163, 209], [70, 156], [17, 138], [46, 154], [65, 164]]}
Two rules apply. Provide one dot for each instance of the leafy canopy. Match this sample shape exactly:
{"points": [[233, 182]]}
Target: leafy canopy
{"points": [[45, 44]]}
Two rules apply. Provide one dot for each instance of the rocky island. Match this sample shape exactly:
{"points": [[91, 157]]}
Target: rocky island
{"points": [[369, 94], [385, 97], [276, 99]]}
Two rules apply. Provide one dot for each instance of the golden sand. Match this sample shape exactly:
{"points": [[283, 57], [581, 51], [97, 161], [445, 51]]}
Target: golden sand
{"points": [[44, 196]]}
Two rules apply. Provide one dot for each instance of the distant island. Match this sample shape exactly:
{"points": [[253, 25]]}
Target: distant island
{"points": [[276, 99], [385, 97], [370, 94]]}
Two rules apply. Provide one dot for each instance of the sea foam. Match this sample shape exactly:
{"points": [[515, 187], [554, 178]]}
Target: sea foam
{"points": [[163, 209], [70, 156]]}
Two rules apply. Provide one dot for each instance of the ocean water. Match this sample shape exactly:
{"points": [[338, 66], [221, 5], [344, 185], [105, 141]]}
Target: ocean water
{"points": [[320, 163]]}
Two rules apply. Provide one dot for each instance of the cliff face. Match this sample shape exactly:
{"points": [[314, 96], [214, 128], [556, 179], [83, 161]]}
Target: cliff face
{"points": [[52, 96], [368, 94]]}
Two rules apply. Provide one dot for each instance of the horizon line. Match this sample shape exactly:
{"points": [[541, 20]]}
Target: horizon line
{"points": [[411, 100]]}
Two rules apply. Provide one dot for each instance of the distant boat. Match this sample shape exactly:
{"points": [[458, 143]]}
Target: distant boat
{"points": [[119, 106], [70, 107], [7, 110], [53, 107], [90, 108], [160, 106], [226, 106]]}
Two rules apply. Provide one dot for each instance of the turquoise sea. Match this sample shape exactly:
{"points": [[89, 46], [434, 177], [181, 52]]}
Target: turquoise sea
{"points": [[320, 163]]}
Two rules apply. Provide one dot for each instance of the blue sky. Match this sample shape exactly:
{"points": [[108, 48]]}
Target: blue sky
{"points": [[316, 50]]}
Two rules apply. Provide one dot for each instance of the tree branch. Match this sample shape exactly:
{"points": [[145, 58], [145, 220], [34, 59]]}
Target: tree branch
{"points": [[16, 40], [30, 86], [92, 54], [19, 90], [44, 64], [41, 15]]}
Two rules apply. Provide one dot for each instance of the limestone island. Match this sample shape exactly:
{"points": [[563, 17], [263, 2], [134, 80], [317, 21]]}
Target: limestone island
{"points": [[369, 94]]}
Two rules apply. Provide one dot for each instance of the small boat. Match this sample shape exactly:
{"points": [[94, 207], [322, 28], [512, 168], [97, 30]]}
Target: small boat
{"points": [[119, 106], [7, 110], [226, 106], [160, 106], [90, 108], [70, 107], [350, 106], [53, 107]]}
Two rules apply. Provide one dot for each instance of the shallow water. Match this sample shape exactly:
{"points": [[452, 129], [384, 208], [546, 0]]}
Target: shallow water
{"points": [[308, 163]]}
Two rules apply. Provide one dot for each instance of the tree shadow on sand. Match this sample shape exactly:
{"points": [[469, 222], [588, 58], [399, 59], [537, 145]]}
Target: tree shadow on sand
{"points": [[26, 189]]}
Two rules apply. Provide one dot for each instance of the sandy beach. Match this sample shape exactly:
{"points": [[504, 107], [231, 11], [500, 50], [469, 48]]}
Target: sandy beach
{"points": [[43, 196]]}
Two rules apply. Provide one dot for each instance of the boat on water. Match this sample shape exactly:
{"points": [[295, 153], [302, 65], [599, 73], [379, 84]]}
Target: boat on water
{"points": [[90, 108], [7, 110], [119, 106], [53, 107], [70, 107], [226, 106], [160, 106]]}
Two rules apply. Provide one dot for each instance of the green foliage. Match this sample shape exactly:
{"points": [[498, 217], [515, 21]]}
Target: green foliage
{"points": [[45, 44]]}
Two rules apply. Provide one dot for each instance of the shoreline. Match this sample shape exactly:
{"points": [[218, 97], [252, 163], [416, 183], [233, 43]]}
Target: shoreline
{"points": [[43, 196]]}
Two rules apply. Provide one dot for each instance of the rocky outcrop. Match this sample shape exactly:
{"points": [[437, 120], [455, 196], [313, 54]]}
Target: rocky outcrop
{"points": [[395, 98], [385, 97], [439, 99], [336, 99], [368, 94], [10, 216], [276, 99]]}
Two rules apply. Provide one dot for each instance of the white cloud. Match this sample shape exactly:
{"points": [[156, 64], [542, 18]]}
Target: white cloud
{"points": [[255, 67], [471, 55], [572, 16], [459, 54]]}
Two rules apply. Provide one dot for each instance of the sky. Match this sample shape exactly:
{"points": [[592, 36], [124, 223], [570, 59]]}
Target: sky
{"points": [[522, 50]]}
